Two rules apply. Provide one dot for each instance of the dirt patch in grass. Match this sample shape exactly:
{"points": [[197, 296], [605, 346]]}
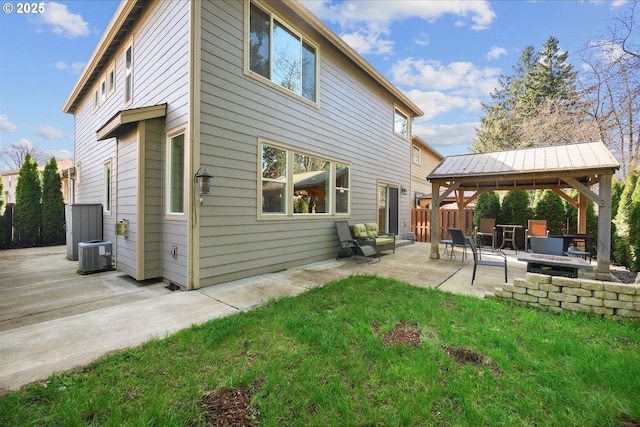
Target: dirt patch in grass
{"points": [[231, 407], [404, 333], [464, 355], [628, 421]]}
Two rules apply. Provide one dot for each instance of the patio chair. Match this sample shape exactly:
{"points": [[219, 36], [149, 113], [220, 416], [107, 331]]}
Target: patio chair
{"points": [[349, 246], [487, 228], [458, 241], [535, 228], [477, 259]]}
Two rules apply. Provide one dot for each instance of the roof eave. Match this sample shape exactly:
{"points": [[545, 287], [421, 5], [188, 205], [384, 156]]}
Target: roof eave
{"points": [[119, 17], [350, 53]]}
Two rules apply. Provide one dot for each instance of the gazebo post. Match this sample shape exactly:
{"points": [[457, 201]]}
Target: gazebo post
{"points": [[435, 221], [462, 217], [583, 200], [604, 229]]}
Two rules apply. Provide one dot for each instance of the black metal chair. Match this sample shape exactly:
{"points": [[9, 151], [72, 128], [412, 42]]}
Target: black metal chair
{"points": [[458, 241], [477, 259], [359, 248]]}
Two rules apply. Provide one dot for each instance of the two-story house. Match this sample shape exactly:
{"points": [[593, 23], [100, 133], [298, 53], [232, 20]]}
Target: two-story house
{"points": [[296, 128]]}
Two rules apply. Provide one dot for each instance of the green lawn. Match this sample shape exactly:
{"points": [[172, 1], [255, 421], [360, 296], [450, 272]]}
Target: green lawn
{"points": [[330, 357]]}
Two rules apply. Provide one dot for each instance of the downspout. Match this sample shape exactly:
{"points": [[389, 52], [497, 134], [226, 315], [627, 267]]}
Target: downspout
{"points": [[193, 223]]}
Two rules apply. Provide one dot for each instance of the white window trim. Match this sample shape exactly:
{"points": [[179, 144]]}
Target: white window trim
{"points": [[178, 216], [408, 117], [289, 214], [413, 148], [294, 30], [107, 188], [111, 84], [128, 72]]}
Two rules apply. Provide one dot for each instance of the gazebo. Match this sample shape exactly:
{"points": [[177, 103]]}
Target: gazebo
{"points": [[581, 166]]}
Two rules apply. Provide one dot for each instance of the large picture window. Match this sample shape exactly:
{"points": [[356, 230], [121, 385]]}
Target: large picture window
{"points": [[176, 174], [294, 183], [279, 54]]}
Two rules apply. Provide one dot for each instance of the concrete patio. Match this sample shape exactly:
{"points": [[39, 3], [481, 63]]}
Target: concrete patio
{"points": [[53, 319]]}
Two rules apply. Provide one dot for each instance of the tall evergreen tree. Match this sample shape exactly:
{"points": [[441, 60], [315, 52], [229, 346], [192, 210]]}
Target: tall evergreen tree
{"points": [[621, 244], [52, 204], [537, 106], [487, 206], [634, 230], [28, 212]]}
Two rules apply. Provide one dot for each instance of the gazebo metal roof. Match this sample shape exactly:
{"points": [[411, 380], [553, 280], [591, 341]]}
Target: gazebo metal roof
{"points": [[542, 167]]}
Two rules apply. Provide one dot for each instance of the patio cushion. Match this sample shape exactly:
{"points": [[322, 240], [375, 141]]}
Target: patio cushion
{"points": [[381, 241], [359, 230], [372, 229]]}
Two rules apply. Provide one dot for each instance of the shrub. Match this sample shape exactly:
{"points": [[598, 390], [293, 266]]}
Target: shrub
{"points": [[621, 243], [28, 212], [487, 206], [549, 206], [634, 230], [52, 205]]}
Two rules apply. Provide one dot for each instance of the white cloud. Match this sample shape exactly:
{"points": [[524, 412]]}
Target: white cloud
{"points": [[423, 39], [496, 52], [61, 21], [370, 20], [434, 103], [74, 67], [441, 136], [60, 154], [461, 78], [6, 125], [50, 132]]}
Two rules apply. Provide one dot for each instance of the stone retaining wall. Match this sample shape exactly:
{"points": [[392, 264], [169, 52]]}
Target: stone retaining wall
{"points": [[553, 293]]}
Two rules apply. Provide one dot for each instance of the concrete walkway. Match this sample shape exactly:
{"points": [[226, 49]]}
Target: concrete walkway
{"points": [[52, 319]]}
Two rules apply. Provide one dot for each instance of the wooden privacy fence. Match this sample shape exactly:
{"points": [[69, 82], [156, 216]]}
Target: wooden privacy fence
{"points": [[421, 223]]}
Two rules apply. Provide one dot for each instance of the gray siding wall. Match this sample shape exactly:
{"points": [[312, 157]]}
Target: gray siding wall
{"points": [[160, 75], [127, 200], [153, 214], [354, 123]]}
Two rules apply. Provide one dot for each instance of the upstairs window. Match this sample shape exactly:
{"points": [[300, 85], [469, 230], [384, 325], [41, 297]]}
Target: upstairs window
{"points": [[401, 124], [128, 75], [278, 53], [111, 80], [416, 155]]}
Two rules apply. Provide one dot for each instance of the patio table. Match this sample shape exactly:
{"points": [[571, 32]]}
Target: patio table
{"points": [[509, 235]]}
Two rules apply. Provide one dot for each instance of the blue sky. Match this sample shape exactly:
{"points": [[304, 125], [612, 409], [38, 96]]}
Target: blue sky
{"points": [[445, 55]]}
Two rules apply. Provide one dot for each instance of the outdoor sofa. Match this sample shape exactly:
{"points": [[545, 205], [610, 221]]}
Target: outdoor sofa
{"points": [[370, 231]]}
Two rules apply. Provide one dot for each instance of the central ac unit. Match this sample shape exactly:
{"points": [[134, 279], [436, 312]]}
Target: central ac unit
{"points": [[94, 256]]}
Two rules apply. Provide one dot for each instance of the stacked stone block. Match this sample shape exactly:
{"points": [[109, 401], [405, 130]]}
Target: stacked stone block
{"points": [[553, 293]]}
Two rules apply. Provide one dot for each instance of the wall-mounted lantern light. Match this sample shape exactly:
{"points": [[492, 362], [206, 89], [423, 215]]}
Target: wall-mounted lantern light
{"points": [[203, 178], [403, 190]]}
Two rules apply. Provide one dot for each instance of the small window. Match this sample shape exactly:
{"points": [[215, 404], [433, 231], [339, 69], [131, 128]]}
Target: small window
{"points": [[103, 90], [279, 54], [274, 180], [416, 155], [106, 206], [111, 81], [176, 174], [401, 124], [128, 75], [96, 99]]}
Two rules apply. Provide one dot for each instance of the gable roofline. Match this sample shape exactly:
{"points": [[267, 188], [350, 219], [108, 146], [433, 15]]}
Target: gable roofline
{"points": [[352, 55], [117, 31], [419, 141], [124, 18]]}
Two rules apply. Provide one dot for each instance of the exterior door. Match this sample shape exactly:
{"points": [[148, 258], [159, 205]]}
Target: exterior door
{"points": [[387, 209]]}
